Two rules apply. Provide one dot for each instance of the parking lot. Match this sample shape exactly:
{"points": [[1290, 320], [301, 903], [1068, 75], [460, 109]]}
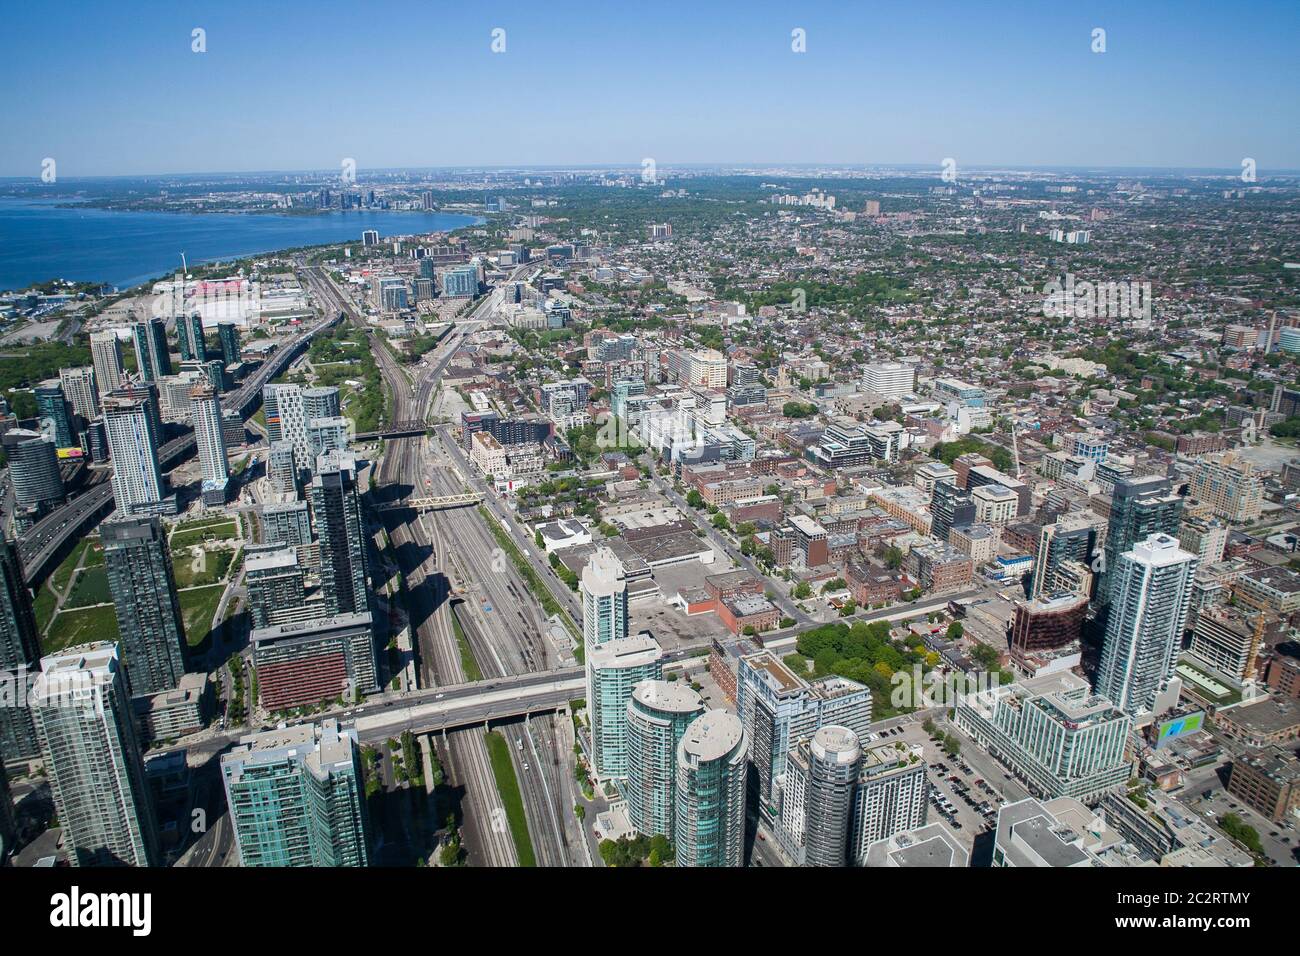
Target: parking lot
{"points": [[1205, 795]]}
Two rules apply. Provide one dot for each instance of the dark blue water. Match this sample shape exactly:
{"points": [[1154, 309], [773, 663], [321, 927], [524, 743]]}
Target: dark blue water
{"points": [[39, 241]]}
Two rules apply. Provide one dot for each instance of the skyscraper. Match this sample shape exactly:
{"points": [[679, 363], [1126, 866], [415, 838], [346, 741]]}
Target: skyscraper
{"points": [[613, 670], [34, 474], [1150, 593], [143, 585], [228, 336], [189, 335], [54, 413], [151, 353], [710, 826], [20, 653], [950, 507], [296, 797], [657, 717], [1069, 538], [8, 820], [821, 775], [275, 588], [80, 388], [1139, 508], [106, 356], [336, 513], [92, 757], [290, 409], [137, 480], [604, 599], [209, 435]]}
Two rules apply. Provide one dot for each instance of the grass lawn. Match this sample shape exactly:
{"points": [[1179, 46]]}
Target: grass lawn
{"points": [[508, 786], [222, 531], [218, 563], [197, 608], [81, 627], [43, 607], [63, 573], [90, 587], [467, 662]]}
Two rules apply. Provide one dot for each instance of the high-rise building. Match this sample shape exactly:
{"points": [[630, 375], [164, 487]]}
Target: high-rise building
{"points": [[137, 480], [817, 806], [80, 388], [210, 437], [87, 735], [1227, 639], [328, 434], [189, 335], [1139, 508], [336, 513], [8, 820], [282, 467], [228, 336], [1070, 538], [287, 524], [275, 588], [604, 599], [54, 413], [1204, 537], [950, 507], [1230, 486], [290, 409], [657, 717], [890, 797], [778, 709], [889, 379], [34, 474], [320, 402], [1053, 732], [613, 669], [1150, 593], [710, 825], [20, 654], [151, 353], [106, 356], [143, 584], [297, 797]]}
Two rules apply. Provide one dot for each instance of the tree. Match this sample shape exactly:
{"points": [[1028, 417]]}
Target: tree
{"points": [[802, 590], [694, 498], [893, 558], [955, 631]]}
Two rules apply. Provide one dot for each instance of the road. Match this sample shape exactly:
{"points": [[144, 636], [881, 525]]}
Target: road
{"points": [[451, 564], [46, 538]]}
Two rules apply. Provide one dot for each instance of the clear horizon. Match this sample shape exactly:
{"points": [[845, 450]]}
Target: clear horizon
{"points": [[409, 86]]}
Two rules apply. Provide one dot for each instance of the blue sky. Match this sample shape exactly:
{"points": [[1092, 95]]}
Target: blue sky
{"points": [[112, 89]]}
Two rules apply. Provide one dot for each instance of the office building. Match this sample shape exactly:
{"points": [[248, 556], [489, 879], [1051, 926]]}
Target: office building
{"points": [[1150, 593], [613, 669], [336, 513], [137, 480], [140, 578], [210, 437], [1029, 834], [1052, 732], [604, 599], [92, 759], [54, 413], [304, 663], [889, 379], [106, 357], [710, 825], [20, 654], [275, 586], [81, 391], [658, 714], [297, 797]]}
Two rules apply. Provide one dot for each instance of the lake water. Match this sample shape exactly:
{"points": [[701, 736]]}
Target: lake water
{"points": [[40, 241]]}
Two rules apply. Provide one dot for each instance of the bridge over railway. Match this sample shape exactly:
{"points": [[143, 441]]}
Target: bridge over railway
{"points": [[435, 503], [396, 430]]}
